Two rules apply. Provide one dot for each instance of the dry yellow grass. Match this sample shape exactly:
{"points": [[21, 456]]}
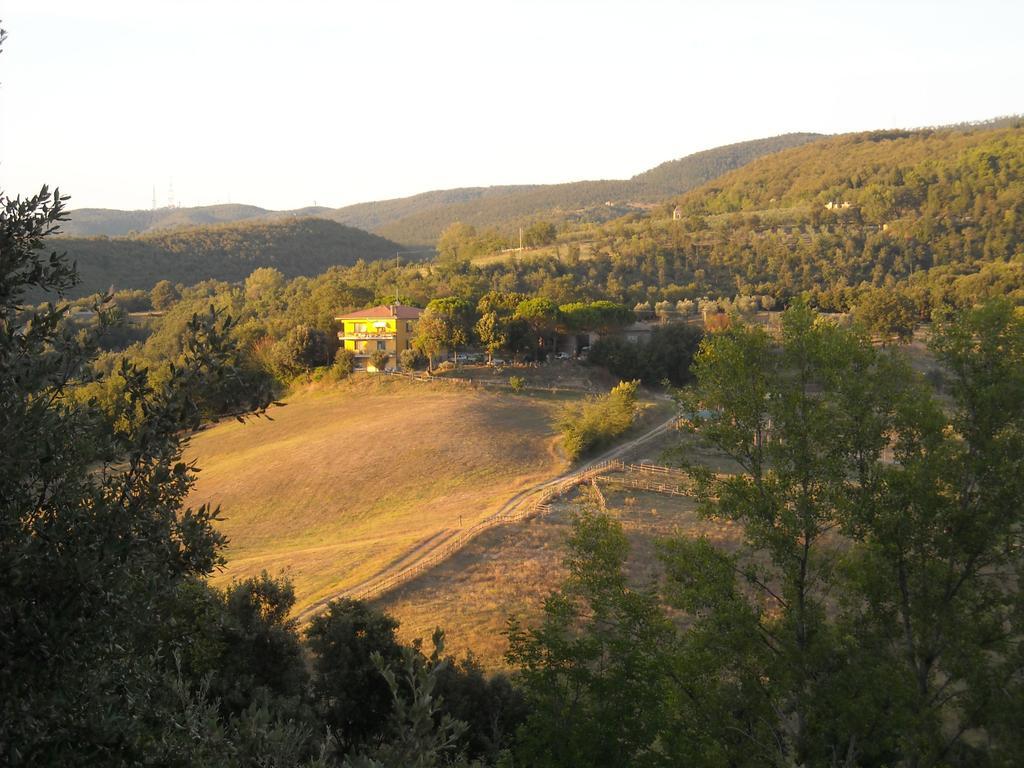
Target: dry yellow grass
{"points": [[344, 482], [510, 570]]}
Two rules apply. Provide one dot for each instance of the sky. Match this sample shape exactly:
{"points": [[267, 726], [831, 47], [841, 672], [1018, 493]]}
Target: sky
{"points": [[299, 102]]}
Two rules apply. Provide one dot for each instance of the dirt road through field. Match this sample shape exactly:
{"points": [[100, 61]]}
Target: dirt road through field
{"points": [[412, 560]]}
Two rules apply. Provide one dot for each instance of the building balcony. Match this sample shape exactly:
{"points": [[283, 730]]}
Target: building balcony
{"points": [[344, 335]]}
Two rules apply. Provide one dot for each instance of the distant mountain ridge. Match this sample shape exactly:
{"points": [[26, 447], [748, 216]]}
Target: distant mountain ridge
{"points": [[226, 251], [109, 222], [419, 219]]}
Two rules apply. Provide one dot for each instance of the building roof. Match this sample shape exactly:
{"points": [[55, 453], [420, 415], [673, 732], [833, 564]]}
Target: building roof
{"points": [[397, 311]]}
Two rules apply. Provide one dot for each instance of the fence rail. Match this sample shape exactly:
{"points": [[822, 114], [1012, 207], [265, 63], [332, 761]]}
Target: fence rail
{"points": [[647, 485], [668, 480]]}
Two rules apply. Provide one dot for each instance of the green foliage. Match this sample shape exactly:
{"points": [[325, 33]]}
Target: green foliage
{"points": [[601, 316], [410, 360], [497, 327], [539, 233], [490, 704], [96, 545], [459, 243], [444, 325], [597, 421], [163, 295], [666, 356], [261, 657], [594, 670], [349, 642], [516, 383], [420, 734], [344, 362], [887, 314], [303, 349], [872, 616], [132, 300], [379, 359], [264, 285], [542, 316], [917, 613]]}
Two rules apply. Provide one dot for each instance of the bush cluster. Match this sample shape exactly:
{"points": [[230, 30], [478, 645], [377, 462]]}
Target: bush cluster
{"points": [[597, 421]]}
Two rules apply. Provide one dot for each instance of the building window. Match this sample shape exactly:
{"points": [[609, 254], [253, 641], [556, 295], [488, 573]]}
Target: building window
{"points": [[382, 346], [408, 327]]}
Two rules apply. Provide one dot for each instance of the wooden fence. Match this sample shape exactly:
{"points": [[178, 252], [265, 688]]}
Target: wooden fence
{"points": [[652, 477]]}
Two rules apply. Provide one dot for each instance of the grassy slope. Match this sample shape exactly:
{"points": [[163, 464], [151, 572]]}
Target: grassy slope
{"points": [[341, 483], [508, 571]]}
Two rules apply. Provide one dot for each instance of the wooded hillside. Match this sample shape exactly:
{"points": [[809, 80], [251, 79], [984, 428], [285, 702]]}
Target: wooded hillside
{"points": [[419, 219], [221, 252]]}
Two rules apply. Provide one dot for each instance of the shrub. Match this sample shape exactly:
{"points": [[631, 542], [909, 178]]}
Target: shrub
{"points": [[344, 363], [411, 359], [379, 359], [302, 349], [516, 383], [163, 295], [597, 421]]}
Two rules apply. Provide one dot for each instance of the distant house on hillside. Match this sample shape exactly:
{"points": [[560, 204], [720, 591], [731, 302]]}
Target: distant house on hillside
{"points": [[635, 333], [387, 328]]}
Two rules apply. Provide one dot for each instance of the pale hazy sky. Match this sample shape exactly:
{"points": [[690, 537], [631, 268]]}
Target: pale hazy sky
{"points": [[281, 104]]}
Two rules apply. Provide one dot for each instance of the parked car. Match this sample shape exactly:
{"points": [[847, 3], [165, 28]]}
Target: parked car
{"points": [[497, 361], [562, 356]]}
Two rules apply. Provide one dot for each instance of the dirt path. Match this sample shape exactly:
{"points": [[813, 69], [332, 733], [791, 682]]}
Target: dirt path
{"points": [[426, 548]]}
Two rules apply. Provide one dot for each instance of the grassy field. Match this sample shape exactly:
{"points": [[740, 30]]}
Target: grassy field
{"points": [[342, 482], [508, 571]]}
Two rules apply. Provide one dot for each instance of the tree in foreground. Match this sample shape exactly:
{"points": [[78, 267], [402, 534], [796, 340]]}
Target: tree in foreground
{"points": [[872, 616], [100, 562], [882, 529]]}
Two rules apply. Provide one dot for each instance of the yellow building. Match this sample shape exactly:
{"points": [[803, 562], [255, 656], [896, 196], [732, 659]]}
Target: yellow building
{"points": [[388, 328]]}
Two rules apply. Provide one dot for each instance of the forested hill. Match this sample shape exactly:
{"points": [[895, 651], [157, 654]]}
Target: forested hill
{"points": [[419, 219], [677, 176], [91, 222], [884, 174], [422, 218], [306, 246], [940, 212]]}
